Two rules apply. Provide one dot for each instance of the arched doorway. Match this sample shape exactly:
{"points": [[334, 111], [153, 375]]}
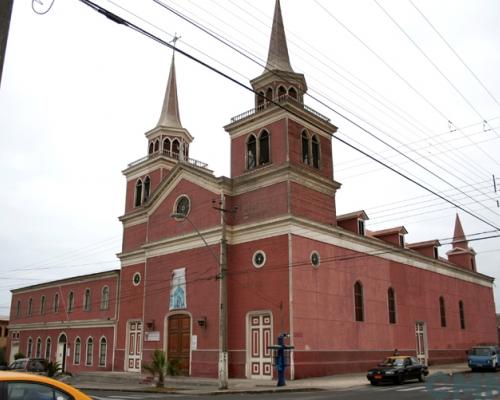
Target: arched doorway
{"points": [[61, 351], [179, 341]]}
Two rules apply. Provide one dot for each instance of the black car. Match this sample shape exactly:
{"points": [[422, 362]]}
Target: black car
{"points": [[398, 369]]}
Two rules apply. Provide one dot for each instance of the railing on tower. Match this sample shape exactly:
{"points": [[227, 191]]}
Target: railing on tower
{"points": [[169, 154], [286, 98]]}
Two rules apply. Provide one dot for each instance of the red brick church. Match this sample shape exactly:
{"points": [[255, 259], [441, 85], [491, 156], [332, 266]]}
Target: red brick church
{"points": [[347, 296]]}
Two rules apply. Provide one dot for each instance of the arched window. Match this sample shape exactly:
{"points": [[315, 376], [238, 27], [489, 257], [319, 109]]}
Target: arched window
{"points": [[151, 148], [175, 148], [442, 311], [18, 308], [305, 147], [138, 193], [281, 91], [264, 147], [157, 145], [48, 348], [30, 307], [42, 305], [251, 152], [90, 351], [147, 188], [358, 302], [269, 94], [78, 351], [462, 314], [260, 99], [105, 298], [102, 352], [292, 92], [166, 146], [315, 151], [29, 350], [56, 302], [391, 303], [71, 301], [38, 352], [86, 300], [186, 150]]}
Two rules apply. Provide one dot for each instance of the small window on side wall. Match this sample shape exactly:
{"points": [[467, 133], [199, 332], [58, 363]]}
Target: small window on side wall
{"points": [[442, 311], [359, 311]]}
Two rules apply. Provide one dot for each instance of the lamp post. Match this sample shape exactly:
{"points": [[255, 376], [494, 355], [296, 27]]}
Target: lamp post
{"points": [[222, 263]]}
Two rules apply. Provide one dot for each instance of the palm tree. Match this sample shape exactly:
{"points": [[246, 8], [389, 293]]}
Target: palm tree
{"points": [[158, 366]]}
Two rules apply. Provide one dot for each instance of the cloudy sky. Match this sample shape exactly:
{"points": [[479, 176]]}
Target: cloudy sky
{"points": [[413, 83]]}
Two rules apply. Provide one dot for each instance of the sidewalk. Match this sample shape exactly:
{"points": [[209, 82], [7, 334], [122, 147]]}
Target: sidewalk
{"points": [[123, 381]]}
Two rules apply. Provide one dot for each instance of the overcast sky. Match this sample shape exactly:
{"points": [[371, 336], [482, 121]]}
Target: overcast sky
{"points": [[79, 91]]}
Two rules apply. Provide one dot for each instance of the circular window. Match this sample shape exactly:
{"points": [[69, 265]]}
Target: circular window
{"points": [[136, 279], [315, 260], [259, 259], [182, 205]]}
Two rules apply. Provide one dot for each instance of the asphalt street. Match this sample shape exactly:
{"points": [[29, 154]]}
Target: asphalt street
{"points": [[467, 386]]}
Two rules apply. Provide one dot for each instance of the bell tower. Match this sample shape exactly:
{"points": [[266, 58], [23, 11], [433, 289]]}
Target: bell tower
{"points": [[168, 144], [283, 139]]}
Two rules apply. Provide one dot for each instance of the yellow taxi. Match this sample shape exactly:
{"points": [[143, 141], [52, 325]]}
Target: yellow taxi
{"points": [[23, 386]]}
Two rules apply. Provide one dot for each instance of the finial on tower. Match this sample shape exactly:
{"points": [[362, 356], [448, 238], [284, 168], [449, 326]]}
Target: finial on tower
{"points": [[170, 111], [277, 58], [459, 239]]}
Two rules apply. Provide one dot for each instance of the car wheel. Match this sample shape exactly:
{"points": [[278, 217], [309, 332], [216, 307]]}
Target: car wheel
{"points": [[421, 377], [374, 383]]}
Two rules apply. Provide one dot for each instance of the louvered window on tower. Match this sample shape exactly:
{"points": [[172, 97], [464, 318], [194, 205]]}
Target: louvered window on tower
{"points": [[305, 148], [138, 193], [251, 152], [264, 147], [315, 151]]}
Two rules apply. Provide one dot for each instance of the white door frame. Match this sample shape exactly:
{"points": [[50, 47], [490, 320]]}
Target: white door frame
{"points": [[61, 351], [422, 349], [137, 353], [248, 363]]}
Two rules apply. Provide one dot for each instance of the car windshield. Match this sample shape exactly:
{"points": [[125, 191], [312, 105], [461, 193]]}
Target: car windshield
{"points": [[481, 351], [394, 362]]}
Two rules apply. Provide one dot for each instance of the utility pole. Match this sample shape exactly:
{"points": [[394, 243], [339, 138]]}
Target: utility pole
{"points": [[5, 15], [223, 353]]}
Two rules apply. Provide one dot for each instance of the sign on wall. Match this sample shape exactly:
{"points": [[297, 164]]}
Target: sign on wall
{"points": [[152, 336], [178, 289]]}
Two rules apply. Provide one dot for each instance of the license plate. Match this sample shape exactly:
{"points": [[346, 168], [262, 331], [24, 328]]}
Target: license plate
{"points": [[377, 376]]}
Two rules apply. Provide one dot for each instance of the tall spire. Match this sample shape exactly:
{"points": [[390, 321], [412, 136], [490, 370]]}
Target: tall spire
{"points": [[277, 58], [170, 111], [459, 239]]}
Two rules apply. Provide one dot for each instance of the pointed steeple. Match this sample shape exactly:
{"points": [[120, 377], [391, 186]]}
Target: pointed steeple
{"points": [[459, 239], [277, 58], [170, 111]]}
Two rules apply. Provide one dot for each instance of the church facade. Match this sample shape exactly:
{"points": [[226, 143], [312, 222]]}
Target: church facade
{"points": [[268, 239]]}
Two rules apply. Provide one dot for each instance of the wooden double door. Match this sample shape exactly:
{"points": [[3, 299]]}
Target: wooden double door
{"points": [[179, 341]]}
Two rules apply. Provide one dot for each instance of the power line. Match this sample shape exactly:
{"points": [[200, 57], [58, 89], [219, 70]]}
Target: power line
{"points": [[454, 52], [437, 69], [122, 21], [415, 90]]}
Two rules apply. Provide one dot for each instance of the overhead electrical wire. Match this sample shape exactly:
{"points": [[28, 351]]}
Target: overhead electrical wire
{"points": [[424, 54], [241, 52], [338, 66], [190, 20], [455, 53], [253, 57], [395, 72], [122, 21]]}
